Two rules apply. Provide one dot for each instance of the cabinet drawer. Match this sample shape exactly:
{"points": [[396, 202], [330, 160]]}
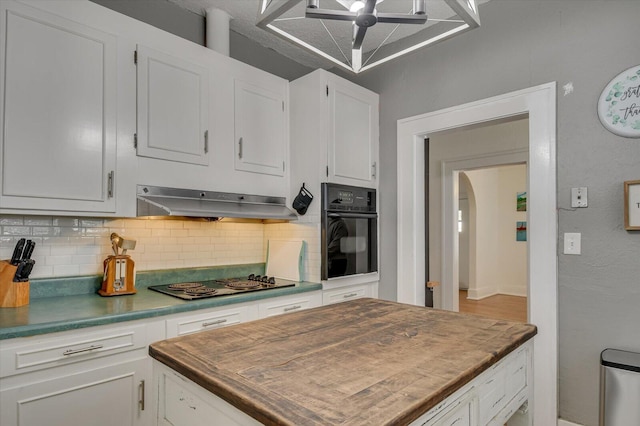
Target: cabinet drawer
{"points": [[289, 304], [517, 374], [492, 395], [451, 412], [459, 416], [61, 350], [207, 321], [344, 294], [180, 402]]}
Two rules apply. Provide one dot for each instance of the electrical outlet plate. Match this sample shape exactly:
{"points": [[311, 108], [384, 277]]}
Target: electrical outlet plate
{"points": [[579, 197]]}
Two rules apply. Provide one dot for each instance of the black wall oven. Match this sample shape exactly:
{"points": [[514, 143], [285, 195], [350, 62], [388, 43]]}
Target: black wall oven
{"points": [[349, 237]]}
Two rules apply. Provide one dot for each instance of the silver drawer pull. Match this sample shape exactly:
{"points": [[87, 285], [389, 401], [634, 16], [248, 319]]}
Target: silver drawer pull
{"points": [[346, 296], [498, 401], [459, 419], [293, 308], [77, 351], [217, 322]]}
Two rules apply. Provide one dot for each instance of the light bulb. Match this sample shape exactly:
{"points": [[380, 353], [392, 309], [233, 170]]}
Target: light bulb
{"points": [[356, 6]]}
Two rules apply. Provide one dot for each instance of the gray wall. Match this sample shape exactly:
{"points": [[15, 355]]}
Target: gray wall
{"points": [[523, 43], [191, 26]]}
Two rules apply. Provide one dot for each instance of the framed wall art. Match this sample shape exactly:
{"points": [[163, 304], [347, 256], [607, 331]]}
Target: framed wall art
{"points": [[521, 201], [632, 205], [521, 231]]}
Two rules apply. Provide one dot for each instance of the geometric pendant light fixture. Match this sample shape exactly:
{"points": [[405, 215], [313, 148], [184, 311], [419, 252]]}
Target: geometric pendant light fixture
{"points": [[357, 35]]}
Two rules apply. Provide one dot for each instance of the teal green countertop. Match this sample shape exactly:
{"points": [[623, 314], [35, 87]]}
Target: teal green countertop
{"points": [[63, 304]]}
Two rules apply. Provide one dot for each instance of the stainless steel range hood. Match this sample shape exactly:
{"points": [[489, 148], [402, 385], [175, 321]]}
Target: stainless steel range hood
{"points": [[159, 201]]}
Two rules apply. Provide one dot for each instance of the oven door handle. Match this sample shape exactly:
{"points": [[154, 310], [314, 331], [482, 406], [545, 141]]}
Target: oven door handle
{"points": [[354, 215]]}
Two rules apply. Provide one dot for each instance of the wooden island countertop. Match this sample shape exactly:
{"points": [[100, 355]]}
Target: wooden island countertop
{"points": [[361, 362]]}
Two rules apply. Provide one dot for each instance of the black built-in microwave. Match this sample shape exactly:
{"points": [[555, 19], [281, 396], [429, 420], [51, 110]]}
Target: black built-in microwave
{"points": [[349, 237]]}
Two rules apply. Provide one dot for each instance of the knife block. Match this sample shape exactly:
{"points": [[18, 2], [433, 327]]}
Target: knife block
{"points": [[12, 294], [118, 278]]}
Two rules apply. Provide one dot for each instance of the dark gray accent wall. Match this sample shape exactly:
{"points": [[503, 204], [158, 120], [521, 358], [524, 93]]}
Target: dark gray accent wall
{"points": [[191, 26], [523, 43], [162, 14]]}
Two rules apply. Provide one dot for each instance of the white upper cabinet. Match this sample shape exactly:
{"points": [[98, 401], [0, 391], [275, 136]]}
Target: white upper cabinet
{"points": [[334, 132], [260, 129], [334, 135], [173, 109], [353, 138], [58, 128]]}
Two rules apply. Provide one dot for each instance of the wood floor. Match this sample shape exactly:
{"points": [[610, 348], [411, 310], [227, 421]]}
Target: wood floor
{"points": [[500, 306]]}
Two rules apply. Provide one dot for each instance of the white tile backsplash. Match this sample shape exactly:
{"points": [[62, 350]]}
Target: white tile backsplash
{"points": [[68, 246]]}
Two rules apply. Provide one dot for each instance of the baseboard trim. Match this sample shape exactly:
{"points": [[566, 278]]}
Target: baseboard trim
{"points": [[513, 291], [562, 422], [480, 293]]}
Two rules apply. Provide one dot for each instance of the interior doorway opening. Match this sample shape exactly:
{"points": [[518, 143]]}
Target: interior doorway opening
{"points": [[492, 247], [539, 104]]}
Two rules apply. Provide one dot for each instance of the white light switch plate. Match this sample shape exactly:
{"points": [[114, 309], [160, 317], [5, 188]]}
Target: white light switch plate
{"points": [[572, 243]]}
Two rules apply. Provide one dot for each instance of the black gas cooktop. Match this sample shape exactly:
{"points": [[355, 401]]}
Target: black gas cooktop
{"points": [[220, 287]]}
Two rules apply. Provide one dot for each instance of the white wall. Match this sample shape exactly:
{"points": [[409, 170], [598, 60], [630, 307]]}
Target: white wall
{"points": [[500, 260], [487, 248], [463, 243], [513, 254]]}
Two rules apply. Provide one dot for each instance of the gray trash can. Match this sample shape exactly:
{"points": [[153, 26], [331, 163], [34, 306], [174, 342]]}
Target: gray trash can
{"points": [[619, 388]]}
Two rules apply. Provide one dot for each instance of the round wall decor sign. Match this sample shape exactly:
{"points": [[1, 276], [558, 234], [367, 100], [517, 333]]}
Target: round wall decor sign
{"points": [[619, 104]]}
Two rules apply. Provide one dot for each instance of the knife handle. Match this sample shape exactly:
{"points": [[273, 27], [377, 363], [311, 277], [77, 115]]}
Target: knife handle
{"points": [[28, 250], [17, 252], [19, 270]]}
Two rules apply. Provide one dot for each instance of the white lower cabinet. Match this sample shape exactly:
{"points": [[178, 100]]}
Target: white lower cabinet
{"points": [[100, 376], [209, 320], [112, 395], [491, 399], [288, 304], [183, 403], [344, 294]]}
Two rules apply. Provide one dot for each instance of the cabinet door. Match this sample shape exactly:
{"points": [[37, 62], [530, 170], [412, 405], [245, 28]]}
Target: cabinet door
{"points": [[353, 137], [259, 117], [58, 146], [173, 108], [112, 395]]}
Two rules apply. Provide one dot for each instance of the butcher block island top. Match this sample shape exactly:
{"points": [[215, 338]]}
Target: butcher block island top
{"points": [[363, 362]]}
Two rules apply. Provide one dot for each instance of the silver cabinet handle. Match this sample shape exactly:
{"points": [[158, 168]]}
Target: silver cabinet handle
{"points": [[78, 351], [293, 308], [216, 322], [110, 184], [374, 169], [206, 141], [240, 148], [346, 296], [141, 395]]}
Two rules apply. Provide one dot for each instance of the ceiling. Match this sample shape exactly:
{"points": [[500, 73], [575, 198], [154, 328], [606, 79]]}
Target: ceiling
{"points": [[244, 14]]}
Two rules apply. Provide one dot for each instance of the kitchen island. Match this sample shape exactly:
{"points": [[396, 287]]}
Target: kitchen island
{"points": [[364, 362]]}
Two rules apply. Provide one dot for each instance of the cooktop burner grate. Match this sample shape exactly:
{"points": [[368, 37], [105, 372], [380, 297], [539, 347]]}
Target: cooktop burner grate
{"points": [[184, 286], [200, 291], [242, 285]]}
